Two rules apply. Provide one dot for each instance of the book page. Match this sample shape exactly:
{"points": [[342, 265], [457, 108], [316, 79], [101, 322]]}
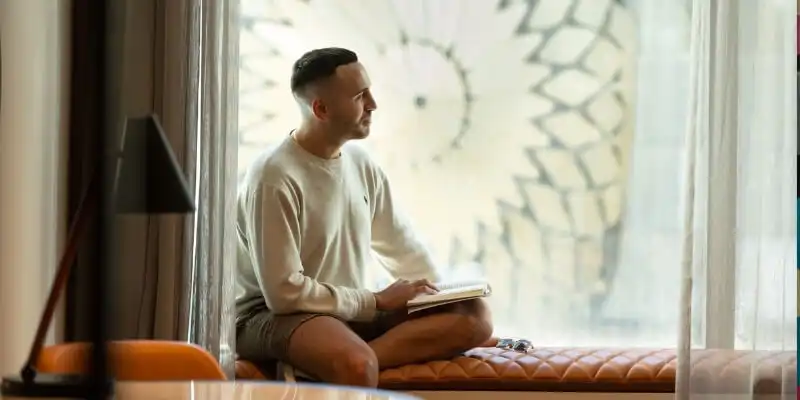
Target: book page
{"points": [[442, 286], [461, 290]]}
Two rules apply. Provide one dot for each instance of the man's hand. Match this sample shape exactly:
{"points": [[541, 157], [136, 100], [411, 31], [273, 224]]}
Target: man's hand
{"points": [[400, 292]]}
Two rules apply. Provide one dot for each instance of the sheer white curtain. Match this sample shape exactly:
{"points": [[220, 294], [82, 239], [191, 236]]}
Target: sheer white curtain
{"points": [[213, 117], [738, 268]]}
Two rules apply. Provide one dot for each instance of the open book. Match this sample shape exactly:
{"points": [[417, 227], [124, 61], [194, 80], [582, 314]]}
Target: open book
{"points": [[451, 292]]}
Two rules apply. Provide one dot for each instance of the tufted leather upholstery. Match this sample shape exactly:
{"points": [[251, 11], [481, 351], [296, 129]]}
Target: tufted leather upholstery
{"points": [[546, 369], [586, 370]]}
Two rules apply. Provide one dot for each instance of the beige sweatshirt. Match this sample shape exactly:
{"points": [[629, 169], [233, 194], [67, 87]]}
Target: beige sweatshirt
{"points": [[307, 228]]}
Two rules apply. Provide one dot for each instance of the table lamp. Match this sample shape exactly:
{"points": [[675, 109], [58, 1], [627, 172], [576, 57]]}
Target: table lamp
{"points": [[148, 180]]}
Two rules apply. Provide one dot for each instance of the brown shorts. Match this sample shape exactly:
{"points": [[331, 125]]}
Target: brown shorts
{"points": [[262, 336]]}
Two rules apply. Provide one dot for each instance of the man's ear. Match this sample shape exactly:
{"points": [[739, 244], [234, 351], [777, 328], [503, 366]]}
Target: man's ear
{"points": [[319, 109]]}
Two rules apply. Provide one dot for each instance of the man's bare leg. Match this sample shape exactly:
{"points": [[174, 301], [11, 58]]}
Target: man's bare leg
{"points": [[329, 350], [440, 334]]}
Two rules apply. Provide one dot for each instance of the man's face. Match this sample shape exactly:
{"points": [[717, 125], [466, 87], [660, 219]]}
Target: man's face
{"points": [[347, 103]]}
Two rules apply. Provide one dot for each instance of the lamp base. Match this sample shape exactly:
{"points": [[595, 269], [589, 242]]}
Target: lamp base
{"points": [[51, 385]]}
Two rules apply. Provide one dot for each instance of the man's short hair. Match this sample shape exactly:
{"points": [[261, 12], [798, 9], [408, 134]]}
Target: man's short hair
{"points": [[319, 64]]}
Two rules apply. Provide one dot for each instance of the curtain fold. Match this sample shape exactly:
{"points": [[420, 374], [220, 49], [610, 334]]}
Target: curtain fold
{"points": [[214, 120], [153, 272], [170, 310], [738, 288]]}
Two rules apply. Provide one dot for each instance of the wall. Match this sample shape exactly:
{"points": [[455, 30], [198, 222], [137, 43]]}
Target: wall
{"points": [[34, 43]]}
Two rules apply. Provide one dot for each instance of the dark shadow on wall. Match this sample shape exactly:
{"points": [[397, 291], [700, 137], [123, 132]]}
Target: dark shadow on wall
{"points": [[81, 159]]}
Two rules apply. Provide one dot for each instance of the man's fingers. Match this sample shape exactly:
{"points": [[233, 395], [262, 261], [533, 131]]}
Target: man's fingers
{"points": [[424, 286], [423, 289], [430, 285], [426, 283]]}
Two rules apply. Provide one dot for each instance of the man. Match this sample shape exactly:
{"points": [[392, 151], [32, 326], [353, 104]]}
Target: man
{"points": [[310, 213]]}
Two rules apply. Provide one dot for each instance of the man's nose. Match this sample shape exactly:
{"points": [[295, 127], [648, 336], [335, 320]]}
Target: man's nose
{"points": [[370, 104]]}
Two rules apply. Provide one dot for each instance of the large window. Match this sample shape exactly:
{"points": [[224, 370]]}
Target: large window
{"points": [[508, 130]]}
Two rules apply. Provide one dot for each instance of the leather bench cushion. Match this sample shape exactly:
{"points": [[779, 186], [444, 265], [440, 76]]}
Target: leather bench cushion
{"points": [[543, 369], [583, 370]]}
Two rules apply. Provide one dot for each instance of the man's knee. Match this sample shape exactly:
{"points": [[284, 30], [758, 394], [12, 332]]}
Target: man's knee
{"points": [[359, 368], [474, 324]]}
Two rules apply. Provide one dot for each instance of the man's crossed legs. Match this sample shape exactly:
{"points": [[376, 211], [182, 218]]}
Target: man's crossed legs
{"points": [[353, 353]]}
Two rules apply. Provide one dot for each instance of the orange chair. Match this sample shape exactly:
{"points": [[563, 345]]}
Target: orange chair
{"points": [[137, 360]]}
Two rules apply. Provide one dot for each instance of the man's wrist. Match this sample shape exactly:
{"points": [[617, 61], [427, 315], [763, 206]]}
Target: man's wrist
{"points": [[378, 301]]}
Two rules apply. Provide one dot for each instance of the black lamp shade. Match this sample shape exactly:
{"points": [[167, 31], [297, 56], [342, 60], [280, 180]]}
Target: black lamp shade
{"points": [[150, 180]]}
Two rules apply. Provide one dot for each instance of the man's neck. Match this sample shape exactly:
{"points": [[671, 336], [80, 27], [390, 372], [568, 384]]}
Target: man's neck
{"points": [[315, 142]]}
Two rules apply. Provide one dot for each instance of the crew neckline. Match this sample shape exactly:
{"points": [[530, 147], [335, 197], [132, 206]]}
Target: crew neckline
{"points": [[302, 152]]}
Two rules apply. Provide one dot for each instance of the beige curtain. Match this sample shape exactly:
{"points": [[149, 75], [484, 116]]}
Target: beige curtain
{"points": [[173, 279], [152, 270], [151, 277]]}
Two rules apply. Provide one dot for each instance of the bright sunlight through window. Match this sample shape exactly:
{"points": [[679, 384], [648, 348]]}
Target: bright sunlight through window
{"points": [[507, 130]]}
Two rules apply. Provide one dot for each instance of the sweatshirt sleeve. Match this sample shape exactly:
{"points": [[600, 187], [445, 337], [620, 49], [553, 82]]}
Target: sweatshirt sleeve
{"points": [[275, 231], [398, 248]]}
